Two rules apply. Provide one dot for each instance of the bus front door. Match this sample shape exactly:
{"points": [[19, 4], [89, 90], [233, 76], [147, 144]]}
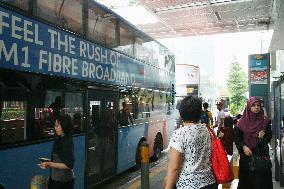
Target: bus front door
{"points": [[101, 136]]}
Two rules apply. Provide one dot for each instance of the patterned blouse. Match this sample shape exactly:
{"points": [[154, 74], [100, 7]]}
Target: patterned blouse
{"points": [[194, 144]]}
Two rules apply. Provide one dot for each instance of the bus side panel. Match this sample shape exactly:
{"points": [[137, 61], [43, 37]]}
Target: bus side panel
{"points": [[128, 139], [19, 165], [155, 128], [165, 128], [79, 166]]}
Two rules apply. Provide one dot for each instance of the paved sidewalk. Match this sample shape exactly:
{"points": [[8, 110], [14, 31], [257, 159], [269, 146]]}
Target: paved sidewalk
{"points": [[158, 173]]}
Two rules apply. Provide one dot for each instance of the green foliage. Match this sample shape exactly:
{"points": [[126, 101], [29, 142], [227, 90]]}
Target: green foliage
{"points": [[237, 84], [8, 114]]}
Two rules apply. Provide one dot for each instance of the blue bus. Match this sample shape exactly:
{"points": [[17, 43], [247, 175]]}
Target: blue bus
{"points": [[87, 60]]}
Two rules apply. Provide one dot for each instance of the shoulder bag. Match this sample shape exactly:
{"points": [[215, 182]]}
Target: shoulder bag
{"points": [[220, 164], [259, 161]]}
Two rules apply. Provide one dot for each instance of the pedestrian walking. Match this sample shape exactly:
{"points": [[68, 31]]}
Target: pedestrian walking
{"points": [[190, 150], [226, 135]]}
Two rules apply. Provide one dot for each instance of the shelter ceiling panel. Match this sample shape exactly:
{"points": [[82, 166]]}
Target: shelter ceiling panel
{"points": [[206, 17]]}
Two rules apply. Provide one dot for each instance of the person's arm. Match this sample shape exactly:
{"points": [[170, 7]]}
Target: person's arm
{"points": [[268, 133], [210, 118], [51, 164], [118, 116], [238, 139], [130, 117], [173, 168]]}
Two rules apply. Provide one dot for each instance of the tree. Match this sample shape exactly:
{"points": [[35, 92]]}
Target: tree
{"points": [[237, 84]]}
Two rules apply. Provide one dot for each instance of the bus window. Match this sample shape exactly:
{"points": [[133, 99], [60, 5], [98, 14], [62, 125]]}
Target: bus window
{"points": [[13, 108], [64, 13], [57, 103], [74, 107], [22, 4], [126, 39], [168, 103], [12, 123], [45, 116], [44, 122], [144, 103], [53, 100], [130, 100], [101, 26], [141, 52]]}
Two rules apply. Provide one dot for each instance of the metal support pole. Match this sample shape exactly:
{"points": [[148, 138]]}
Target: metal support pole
{"points": [[145, 165]]}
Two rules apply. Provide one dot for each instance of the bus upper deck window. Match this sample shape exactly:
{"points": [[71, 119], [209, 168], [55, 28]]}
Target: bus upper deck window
{"points": [[22, 4]]}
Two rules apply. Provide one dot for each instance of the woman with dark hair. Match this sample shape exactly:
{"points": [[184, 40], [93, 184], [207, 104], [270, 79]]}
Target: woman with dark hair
{"points": [[252, 135], [190, 150], [226, 134], [62, 156]]}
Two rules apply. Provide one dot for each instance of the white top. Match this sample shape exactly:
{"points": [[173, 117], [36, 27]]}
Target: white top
{"points": [[220, 115], [194, 143]]}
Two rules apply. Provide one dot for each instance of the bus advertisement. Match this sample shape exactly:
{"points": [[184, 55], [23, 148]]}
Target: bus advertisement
{"points": [[81, 59]]}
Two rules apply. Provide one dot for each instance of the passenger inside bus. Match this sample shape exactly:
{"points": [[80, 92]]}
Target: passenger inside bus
{"points": [[56, 106], [124, 116]]}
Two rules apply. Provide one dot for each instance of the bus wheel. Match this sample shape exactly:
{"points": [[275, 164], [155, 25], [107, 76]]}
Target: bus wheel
{"points": [[158, 147]]}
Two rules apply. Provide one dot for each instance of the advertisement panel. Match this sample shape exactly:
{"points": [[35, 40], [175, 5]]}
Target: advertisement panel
{"points": [[258, 65], [36, 47], [258, 69]]}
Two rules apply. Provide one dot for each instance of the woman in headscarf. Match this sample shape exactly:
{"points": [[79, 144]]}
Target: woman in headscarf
{"points": [[253, 132]]}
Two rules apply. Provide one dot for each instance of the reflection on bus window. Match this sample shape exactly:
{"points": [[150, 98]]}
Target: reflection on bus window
{"points": [[74, 107], [142, 103], [101, 26], [65, 13], [12, 123], [22, 4], [44, 122]]}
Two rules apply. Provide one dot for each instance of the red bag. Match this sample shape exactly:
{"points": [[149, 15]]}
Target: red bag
{"points": [[220, 164]]}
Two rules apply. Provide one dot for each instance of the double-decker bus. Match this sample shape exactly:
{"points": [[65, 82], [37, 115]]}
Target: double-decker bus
{"points": [[86, 60]]}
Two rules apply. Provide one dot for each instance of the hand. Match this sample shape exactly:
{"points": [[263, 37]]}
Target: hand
{"points": [[247, 151], [261, 134], [44, 165], [220, 135]]}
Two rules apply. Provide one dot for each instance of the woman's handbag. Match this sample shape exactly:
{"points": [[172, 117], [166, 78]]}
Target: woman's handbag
{"points": [[220, 164], [259, 161]]}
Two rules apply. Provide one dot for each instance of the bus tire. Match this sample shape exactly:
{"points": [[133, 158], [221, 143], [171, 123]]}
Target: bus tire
{"points": [[158, 147]]}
